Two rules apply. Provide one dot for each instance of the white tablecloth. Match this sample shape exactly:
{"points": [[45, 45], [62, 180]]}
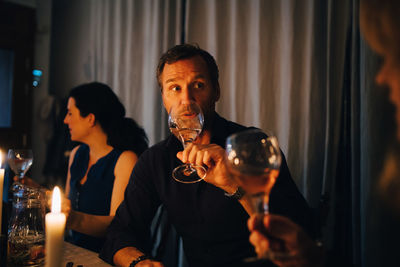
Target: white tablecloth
{"points": [[81, 256]]}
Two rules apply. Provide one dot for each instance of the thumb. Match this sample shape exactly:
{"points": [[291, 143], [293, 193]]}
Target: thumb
{"points": [[179, 155]]}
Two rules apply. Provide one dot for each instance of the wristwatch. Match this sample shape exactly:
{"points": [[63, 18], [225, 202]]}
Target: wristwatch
{"points": [[238, 194], [139, 259]]}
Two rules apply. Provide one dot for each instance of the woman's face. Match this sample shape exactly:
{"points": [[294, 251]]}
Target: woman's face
{"points": [[78, 126], [389, 73]]}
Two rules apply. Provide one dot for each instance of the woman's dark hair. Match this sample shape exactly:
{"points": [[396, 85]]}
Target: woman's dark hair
{"points": [[381, 18], [185, 51], [122, 133]]}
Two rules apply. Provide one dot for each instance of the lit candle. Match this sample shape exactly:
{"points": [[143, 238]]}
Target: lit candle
{"points": [[55, 226], [1, 189]]}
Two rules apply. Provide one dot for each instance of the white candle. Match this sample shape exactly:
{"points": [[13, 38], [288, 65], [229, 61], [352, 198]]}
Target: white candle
{"points": [[1, 189], [55, 226]]}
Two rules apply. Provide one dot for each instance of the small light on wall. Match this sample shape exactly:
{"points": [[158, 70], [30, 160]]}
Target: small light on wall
{"points": [[37, 74]]}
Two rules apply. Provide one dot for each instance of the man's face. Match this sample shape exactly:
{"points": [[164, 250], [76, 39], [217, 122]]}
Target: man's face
{"points": [[189, 80]]}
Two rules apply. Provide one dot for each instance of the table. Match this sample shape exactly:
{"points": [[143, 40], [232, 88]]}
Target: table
{"points": [[81, 256]]}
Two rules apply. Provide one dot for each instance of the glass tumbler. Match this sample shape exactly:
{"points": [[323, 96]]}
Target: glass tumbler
{"points": [[26, 228]]}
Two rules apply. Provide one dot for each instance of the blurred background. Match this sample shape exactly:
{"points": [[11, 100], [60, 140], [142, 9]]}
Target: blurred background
{"points": [[297, 68]]}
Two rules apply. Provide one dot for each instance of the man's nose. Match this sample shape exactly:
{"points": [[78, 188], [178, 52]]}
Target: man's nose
{"points": [[186, 96], [65, 120]]}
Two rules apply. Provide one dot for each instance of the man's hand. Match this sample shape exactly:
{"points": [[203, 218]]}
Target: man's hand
{"points": [[149, 263], [274, 232], [125, 256], [66, 207], [212, 157]]}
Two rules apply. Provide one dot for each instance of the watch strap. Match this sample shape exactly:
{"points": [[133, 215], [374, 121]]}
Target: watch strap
{"points": [[139, 259], [238, 194]]}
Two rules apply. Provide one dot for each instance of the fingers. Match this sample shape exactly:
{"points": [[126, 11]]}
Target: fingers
{"points": [[260, 243], [66, 206], [288, 243], [281, 227], [184, 155], [179, 155], [255, 222], [149, 263], [201, 155], [279, 230]]}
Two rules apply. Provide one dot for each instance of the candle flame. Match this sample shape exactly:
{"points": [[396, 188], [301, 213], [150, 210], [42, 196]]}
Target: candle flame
{"points": [[56, 200]]}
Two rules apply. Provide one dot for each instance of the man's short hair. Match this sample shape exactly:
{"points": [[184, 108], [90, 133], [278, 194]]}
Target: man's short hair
{"points": [[185, 51]]}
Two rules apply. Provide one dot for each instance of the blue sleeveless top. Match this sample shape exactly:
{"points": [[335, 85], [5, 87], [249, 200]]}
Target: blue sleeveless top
{"points": [[94, 196]]}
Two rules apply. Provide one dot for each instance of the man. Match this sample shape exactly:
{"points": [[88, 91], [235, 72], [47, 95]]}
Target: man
{"points": [[211, 215]]}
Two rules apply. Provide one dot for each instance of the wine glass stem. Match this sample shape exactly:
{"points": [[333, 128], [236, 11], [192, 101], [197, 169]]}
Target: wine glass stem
{"points": [[266, 208], [188, 165], [260, 202]]}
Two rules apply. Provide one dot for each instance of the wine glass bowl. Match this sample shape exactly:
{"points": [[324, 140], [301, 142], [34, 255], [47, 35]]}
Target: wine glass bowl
{"points": [[253, 159], [186, 122], [20, 160]]}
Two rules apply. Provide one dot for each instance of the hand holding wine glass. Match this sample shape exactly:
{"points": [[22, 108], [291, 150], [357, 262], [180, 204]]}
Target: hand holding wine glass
{"points": [[274, 230], [186, 122]]}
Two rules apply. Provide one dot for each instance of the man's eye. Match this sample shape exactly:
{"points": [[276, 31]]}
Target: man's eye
{"points": [[175, 88], [198, 85]]}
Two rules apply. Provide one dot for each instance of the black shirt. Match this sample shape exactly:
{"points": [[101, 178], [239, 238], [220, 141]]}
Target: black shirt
{"points": [[213, 226]]}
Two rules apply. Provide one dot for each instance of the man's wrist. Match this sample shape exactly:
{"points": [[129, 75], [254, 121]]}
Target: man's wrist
{"points": [[139, 259]]}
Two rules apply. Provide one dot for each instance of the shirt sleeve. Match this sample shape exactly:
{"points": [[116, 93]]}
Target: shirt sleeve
{"points": [[287, 200], [131, 224]]}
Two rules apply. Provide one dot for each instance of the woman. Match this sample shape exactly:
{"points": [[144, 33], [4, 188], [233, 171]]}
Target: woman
{"points": [[99, 168]]}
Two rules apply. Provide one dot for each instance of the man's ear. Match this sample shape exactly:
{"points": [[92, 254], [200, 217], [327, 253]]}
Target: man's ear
{"points": [[217, 92], [91, 119]]}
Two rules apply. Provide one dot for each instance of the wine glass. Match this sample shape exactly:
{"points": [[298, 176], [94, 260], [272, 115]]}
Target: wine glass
{"points": [[20, 160], [186, 122], [253, 159]]}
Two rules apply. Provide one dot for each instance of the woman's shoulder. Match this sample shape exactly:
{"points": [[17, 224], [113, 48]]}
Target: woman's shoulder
{"points": [[74, 151], [128, 155], [126, 158]]}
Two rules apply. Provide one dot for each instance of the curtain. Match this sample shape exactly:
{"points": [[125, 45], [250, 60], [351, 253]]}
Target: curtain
{"points": [[282, 68], [297, 68], [119, 43]]}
